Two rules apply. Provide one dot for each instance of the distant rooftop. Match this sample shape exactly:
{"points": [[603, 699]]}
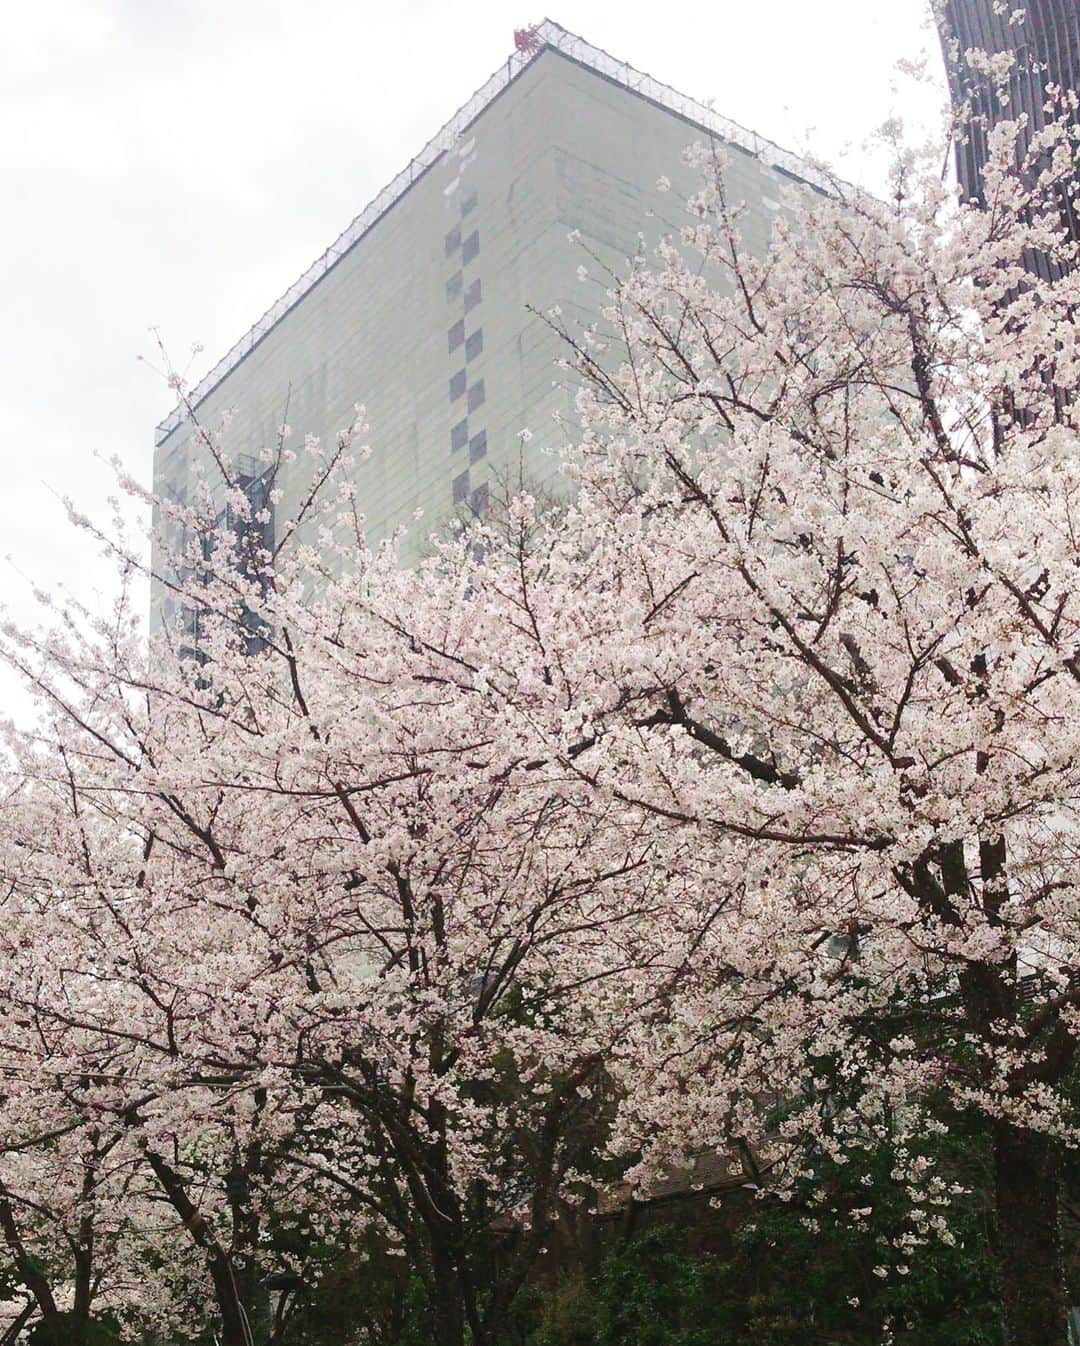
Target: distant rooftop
{"points": [[534, 42]]}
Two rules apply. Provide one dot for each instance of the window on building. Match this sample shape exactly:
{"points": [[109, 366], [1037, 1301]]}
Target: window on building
{"points": [[468, 203], [476, 395], [459, 435], [461, 487], [478, 446], [453, 286], [471, 247], [457, 385], [479, 500], [475, 344], [455, 336], [472, 295], [452, 240]]}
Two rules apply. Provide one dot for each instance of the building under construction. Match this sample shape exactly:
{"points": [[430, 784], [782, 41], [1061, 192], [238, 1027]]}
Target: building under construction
{"points": [[426, 309]]}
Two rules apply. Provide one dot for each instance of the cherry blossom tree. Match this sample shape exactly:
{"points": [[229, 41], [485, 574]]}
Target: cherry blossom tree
{"points": [[317, 940], [731, 809], [828, 627]]}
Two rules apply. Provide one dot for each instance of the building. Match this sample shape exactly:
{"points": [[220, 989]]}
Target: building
{"points": [[426, 308], [1043, 37]]}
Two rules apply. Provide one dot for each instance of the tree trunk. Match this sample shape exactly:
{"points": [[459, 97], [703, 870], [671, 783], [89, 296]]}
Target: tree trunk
{"points": [[446, 1320], [234, 1325], [29, 1270], [234, 1328], [1029, 1236], [447, 1313]]}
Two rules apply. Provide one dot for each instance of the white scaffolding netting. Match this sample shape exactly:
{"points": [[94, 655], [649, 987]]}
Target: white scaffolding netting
{"points": [[546, 35]]}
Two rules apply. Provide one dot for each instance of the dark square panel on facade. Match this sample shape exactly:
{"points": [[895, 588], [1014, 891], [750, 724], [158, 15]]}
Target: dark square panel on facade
{"points": [[455, 336], [472, 295], [474, 344], [453, 286], [476, 395], [468, 203], [480, 499], [471, 247], [457, 385], [478, 446], [459, 435], [461, 487], [452, 240]]}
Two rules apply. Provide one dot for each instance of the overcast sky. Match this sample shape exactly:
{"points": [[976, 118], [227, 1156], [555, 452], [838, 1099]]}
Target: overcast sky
{"points": [[177, 163]]}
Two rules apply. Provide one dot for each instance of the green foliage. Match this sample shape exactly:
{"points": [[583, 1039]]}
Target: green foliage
{"points": [[753, 1273], [571, 1314], [102, 1330], [807, 1270], [653, 1293], [364, 1298], [786, 1280]]}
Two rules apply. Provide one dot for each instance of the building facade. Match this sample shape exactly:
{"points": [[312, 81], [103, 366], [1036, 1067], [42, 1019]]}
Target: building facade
{"points": [[1043, 37], [427, 310]]}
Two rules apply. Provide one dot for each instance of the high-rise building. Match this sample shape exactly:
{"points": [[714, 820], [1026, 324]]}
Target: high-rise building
{"points": [[426, 309], [1043, 39]]}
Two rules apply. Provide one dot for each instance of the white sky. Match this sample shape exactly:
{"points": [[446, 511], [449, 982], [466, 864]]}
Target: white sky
{"points": [[178, 163]]}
